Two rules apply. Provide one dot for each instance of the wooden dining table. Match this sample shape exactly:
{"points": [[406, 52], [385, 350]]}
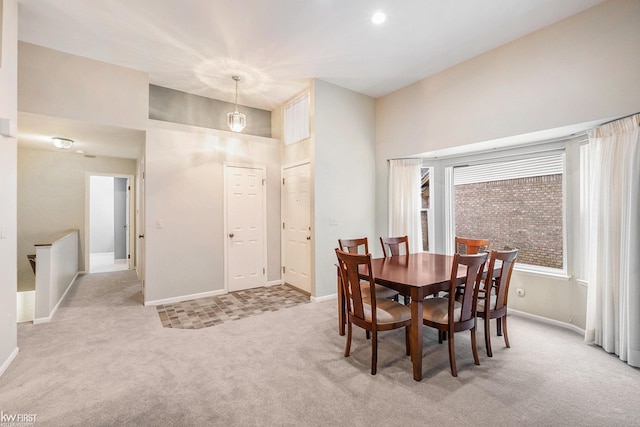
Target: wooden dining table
{"points": [[417, 275]]}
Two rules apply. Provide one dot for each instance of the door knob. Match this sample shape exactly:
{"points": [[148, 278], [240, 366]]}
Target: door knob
{"points": [[308, 237], [140, 236], [231, 234]]}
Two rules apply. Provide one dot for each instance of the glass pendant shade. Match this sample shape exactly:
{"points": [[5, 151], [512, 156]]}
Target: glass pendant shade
{"points": [[236, 120]]}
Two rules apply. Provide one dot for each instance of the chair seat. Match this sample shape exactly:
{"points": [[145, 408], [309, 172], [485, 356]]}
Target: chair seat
{"points": [[382, 292], [437, 310], [388, 311]]}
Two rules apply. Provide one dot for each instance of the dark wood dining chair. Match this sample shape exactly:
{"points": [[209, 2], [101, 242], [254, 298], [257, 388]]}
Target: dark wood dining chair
{"points": [[493, 295], [448, 315], [393, 246], [466, 246], [361, 246], [372, 314]]}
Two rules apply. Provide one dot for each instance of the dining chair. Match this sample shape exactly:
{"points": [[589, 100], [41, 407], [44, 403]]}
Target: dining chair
{"points": [[392, 246], [496, 292], [372, 314], [361, 246], [467, 246], [471, 246], [449, 315]]}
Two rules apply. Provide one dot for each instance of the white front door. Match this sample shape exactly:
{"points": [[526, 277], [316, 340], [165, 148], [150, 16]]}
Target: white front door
{"points": [[245, 219], [296, 227]]}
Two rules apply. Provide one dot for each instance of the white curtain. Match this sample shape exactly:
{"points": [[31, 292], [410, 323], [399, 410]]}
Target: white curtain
{"points": [[405, 201], [613, 298]]}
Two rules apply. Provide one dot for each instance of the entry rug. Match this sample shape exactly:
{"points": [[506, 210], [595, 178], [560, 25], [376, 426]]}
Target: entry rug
{"points": [[210, 311]]}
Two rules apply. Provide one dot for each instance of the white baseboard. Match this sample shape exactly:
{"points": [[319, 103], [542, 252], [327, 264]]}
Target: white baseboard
{"points": [[546, 320], [274, 283], [10, 359], [325, 298], [47, 319], [185, 298]]}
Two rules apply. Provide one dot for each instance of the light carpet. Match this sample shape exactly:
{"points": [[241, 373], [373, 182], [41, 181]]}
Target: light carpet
{"points": [[105, 360]]}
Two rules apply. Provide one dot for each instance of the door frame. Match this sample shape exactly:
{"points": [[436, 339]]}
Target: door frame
{"points": [[263, 169], [282, 239], [87, 217]]}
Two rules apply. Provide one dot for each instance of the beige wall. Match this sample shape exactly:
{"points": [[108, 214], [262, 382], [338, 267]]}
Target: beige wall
{"points": [[343, 171], [59, 84], [582, 69], [51, 197], [185, 189], [8, 178]]}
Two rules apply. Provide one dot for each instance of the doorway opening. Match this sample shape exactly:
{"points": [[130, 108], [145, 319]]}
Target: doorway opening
{"points": [[108, 233]]}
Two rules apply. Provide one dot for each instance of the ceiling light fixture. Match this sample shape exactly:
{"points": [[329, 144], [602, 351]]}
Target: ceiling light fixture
{"points": [[63, 143], [236, 120], [378, 18]]}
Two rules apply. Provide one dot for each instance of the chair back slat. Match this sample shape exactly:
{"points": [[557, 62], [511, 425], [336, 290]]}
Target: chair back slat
{"points": [[474, 268], [391, 246]]}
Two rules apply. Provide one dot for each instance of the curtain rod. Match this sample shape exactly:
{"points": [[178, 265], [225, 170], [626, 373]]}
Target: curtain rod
{"points": [[615, 120]]}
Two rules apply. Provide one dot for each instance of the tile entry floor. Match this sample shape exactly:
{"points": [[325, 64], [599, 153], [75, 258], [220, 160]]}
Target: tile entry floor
{"points": [[211, 311]]}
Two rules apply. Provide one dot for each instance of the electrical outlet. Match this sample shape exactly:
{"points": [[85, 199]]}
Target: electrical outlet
{"points": [[520, 292]]}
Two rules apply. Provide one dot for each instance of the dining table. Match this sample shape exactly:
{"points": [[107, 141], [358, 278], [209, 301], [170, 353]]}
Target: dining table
{"points": [[417, 275]]}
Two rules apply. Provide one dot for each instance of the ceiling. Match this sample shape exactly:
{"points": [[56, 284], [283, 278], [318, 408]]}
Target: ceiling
{"points": [[276, 46]]}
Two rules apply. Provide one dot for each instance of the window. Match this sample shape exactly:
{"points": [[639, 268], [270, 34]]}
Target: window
{"points": [[296, 119], [426, 215], [516, 203]]}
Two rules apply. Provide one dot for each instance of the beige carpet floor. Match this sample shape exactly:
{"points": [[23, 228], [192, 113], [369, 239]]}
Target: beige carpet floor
{"points": [[105, 360]]}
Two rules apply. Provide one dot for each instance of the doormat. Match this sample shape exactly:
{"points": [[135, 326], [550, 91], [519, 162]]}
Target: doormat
{"points": [[210, 311]]}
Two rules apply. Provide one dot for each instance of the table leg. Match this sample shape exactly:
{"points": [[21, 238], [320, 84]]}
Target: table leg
{"points": [[341, 307], [416, 336]]}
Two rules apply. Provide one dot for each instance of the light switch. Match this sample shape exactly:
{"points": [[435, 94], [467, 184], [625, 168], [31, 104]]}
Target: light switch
{"points": [[3, 232], [159, 223]]}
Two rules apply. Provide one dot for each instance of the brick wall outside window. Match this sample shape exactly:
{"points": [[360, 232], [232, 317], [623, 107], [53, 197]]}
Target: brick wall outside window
{"points": [[524, 213]]}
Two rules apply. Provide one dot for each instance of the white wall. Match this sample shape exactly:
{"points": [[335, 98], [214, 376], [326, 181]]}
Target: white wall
{"points": [[343, 176], [582, 69], [56, 269], [8, 179], [184, 188], [101, 220], [59, 84]]}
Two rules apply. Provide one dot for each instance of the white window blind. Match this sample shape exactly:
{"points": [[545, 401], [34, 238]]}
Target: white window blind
{"points": [[296, 119], [535, 166]]}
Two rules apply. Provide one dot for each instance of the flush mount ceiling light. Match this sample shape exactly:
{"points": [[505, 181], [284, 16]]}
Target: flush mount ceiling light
{"points": [[236, 120], [64, 143], [378, 18]]}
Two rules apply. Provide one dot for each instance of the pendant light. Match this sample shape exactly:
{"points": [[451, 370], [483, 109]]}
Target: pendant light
{"points": [[236, 120]]}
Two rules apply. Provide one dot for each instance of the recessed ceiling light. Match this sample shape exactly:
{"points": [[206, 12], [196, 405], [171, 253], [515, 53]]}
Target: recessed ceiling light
{"points": [[378, 18]]}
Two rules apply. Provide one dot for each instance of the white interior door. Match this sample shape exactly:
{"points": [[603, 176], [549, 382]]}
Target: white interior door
{"points": [[296, 227], [140, 225], [246, 253]]}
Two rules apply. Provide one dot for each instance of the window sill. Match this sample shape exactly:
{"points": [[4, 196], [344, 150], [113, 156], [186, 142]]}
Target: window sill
{"points": [[547, 273]]}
